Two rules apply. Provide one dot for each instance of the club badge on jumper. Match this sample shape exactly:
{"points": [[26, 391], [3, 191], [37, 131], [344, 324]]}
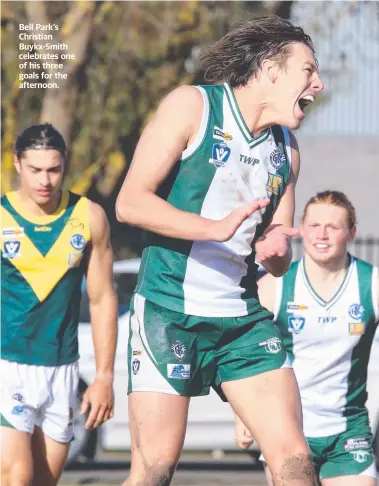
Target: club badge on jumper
{"points": [[220, 155], [277, 158], [78, 242], [356, 311], [296, 324], [179, 371]]}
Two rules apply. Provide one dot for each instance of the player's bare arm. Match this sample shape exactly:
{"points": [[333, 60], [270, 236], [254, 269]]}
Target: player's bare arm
{"points": [[169, 133], [103, 310], [274, 250]]}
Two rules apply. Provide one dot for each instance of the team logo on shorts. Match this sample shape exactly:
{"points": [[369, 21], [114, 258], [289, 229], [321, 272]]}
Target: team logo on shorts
{"points": [[272, 345], [18, 397], [179, 371], [220, 155], [12, 249], [136, 366], [78, 242], [19, 410], [296, 324], [356, 311], [70, 416], [178, 349], [361, 456], [277, 158]]}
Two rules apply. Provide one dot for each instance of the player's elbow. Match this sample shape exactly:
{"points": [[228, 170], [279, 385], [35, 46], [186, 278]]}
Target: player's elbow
{"points": [[126, 210]]}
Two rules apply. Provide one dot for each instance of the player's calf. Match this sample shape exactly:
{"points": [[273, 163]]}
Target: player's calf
{"points": [[155, 475]]}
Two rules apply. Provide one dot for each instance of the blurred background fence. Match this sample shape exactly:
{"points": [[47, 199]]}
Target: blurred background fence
{"points": [[129, 55]]}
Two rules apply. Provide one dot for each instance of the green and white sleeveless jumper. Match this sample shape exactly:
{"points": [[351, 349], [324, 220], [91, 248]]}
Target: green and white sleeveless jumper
{"points": [[223, 169], [329, 344]]}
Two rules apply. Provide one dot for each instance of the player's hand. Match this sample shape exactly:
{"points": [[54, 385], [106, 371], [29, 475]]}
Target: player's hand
{"points": [[242, 435], [275, 242], [224, 229], [98, 396]]}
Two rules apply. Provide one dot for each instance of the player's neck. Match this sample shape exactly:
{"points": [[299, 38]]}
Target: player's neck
{"points": [[39, 209], [333, 271], [255, 108]]}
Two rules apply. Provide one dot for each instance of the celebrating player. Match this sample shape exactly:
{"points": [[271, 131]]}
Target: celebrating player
{"points": [[213, 180]]}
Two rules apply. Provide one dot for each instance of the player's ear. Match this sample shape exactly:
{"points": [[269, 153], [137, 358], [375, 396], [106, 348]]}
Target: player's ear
{"points": [[17, 163], [352, 233]]}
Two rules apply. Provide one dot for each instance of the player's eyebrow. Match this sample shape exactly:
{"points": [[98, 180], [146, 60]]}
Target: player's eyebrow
{"points": [[313, 65]]}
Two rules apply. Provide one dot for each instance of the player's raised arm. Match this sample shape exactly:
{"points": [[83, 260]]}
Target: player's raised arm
{"points": [[172, 129], [103, 310], [274, 249], [267, 291]]}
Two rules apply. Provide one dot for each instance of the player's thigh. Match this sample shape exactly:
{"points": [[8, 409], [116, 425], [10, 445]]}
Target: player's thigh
{"points": [[269, 405], [158, 424], [16, 457], [356, 480], [49, 457]]}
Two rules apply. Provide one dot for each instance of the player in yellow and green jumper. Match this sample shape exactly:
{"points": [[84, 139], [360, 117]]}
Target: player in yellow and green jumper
{"points": [[50, 238]]}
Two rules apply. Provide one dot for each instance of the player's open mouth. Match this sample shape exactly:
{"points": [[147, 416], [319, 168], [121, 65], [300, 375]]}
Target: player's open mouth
{"points": [[321, 246], [305, 101]]}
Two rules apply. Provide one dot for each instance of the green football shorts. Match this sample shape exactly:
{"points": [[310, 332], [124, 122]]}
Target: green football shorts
{"points": [[180, 354], [346, 454]]}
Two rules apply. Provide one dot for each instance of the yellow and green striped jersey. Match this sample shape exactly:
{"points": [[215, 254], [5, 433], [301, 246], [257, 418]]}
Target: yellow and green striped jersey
{"points": [[42, 265]]}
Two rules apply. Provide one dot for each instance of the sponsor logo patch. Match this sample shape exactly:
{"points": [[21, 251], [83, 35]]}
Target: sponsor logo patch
{"points": [[357, 328], [18, 231], [137, 352], [74, 259], [292, 307], [353, 444], [179, 371], [221, 135], [274, 183], [248, 160], [44, 229], [296, 324]]}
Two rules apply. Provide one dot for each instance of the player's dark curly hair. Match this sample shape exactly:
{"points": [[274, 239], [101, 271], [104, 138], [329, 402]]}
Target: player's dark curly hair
{"points": [[238, 56], [36, 137]]}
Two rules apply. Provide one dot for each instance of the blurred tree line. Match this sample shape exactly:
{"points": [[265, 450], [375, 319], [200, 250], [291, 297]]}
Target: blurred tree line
{"points": [[128, 55]]}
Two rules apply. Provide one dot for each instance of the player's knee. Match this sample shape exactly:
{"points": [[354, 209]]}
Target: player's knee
{"points": [[295, 467], [16, 474], [155, 475]]}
